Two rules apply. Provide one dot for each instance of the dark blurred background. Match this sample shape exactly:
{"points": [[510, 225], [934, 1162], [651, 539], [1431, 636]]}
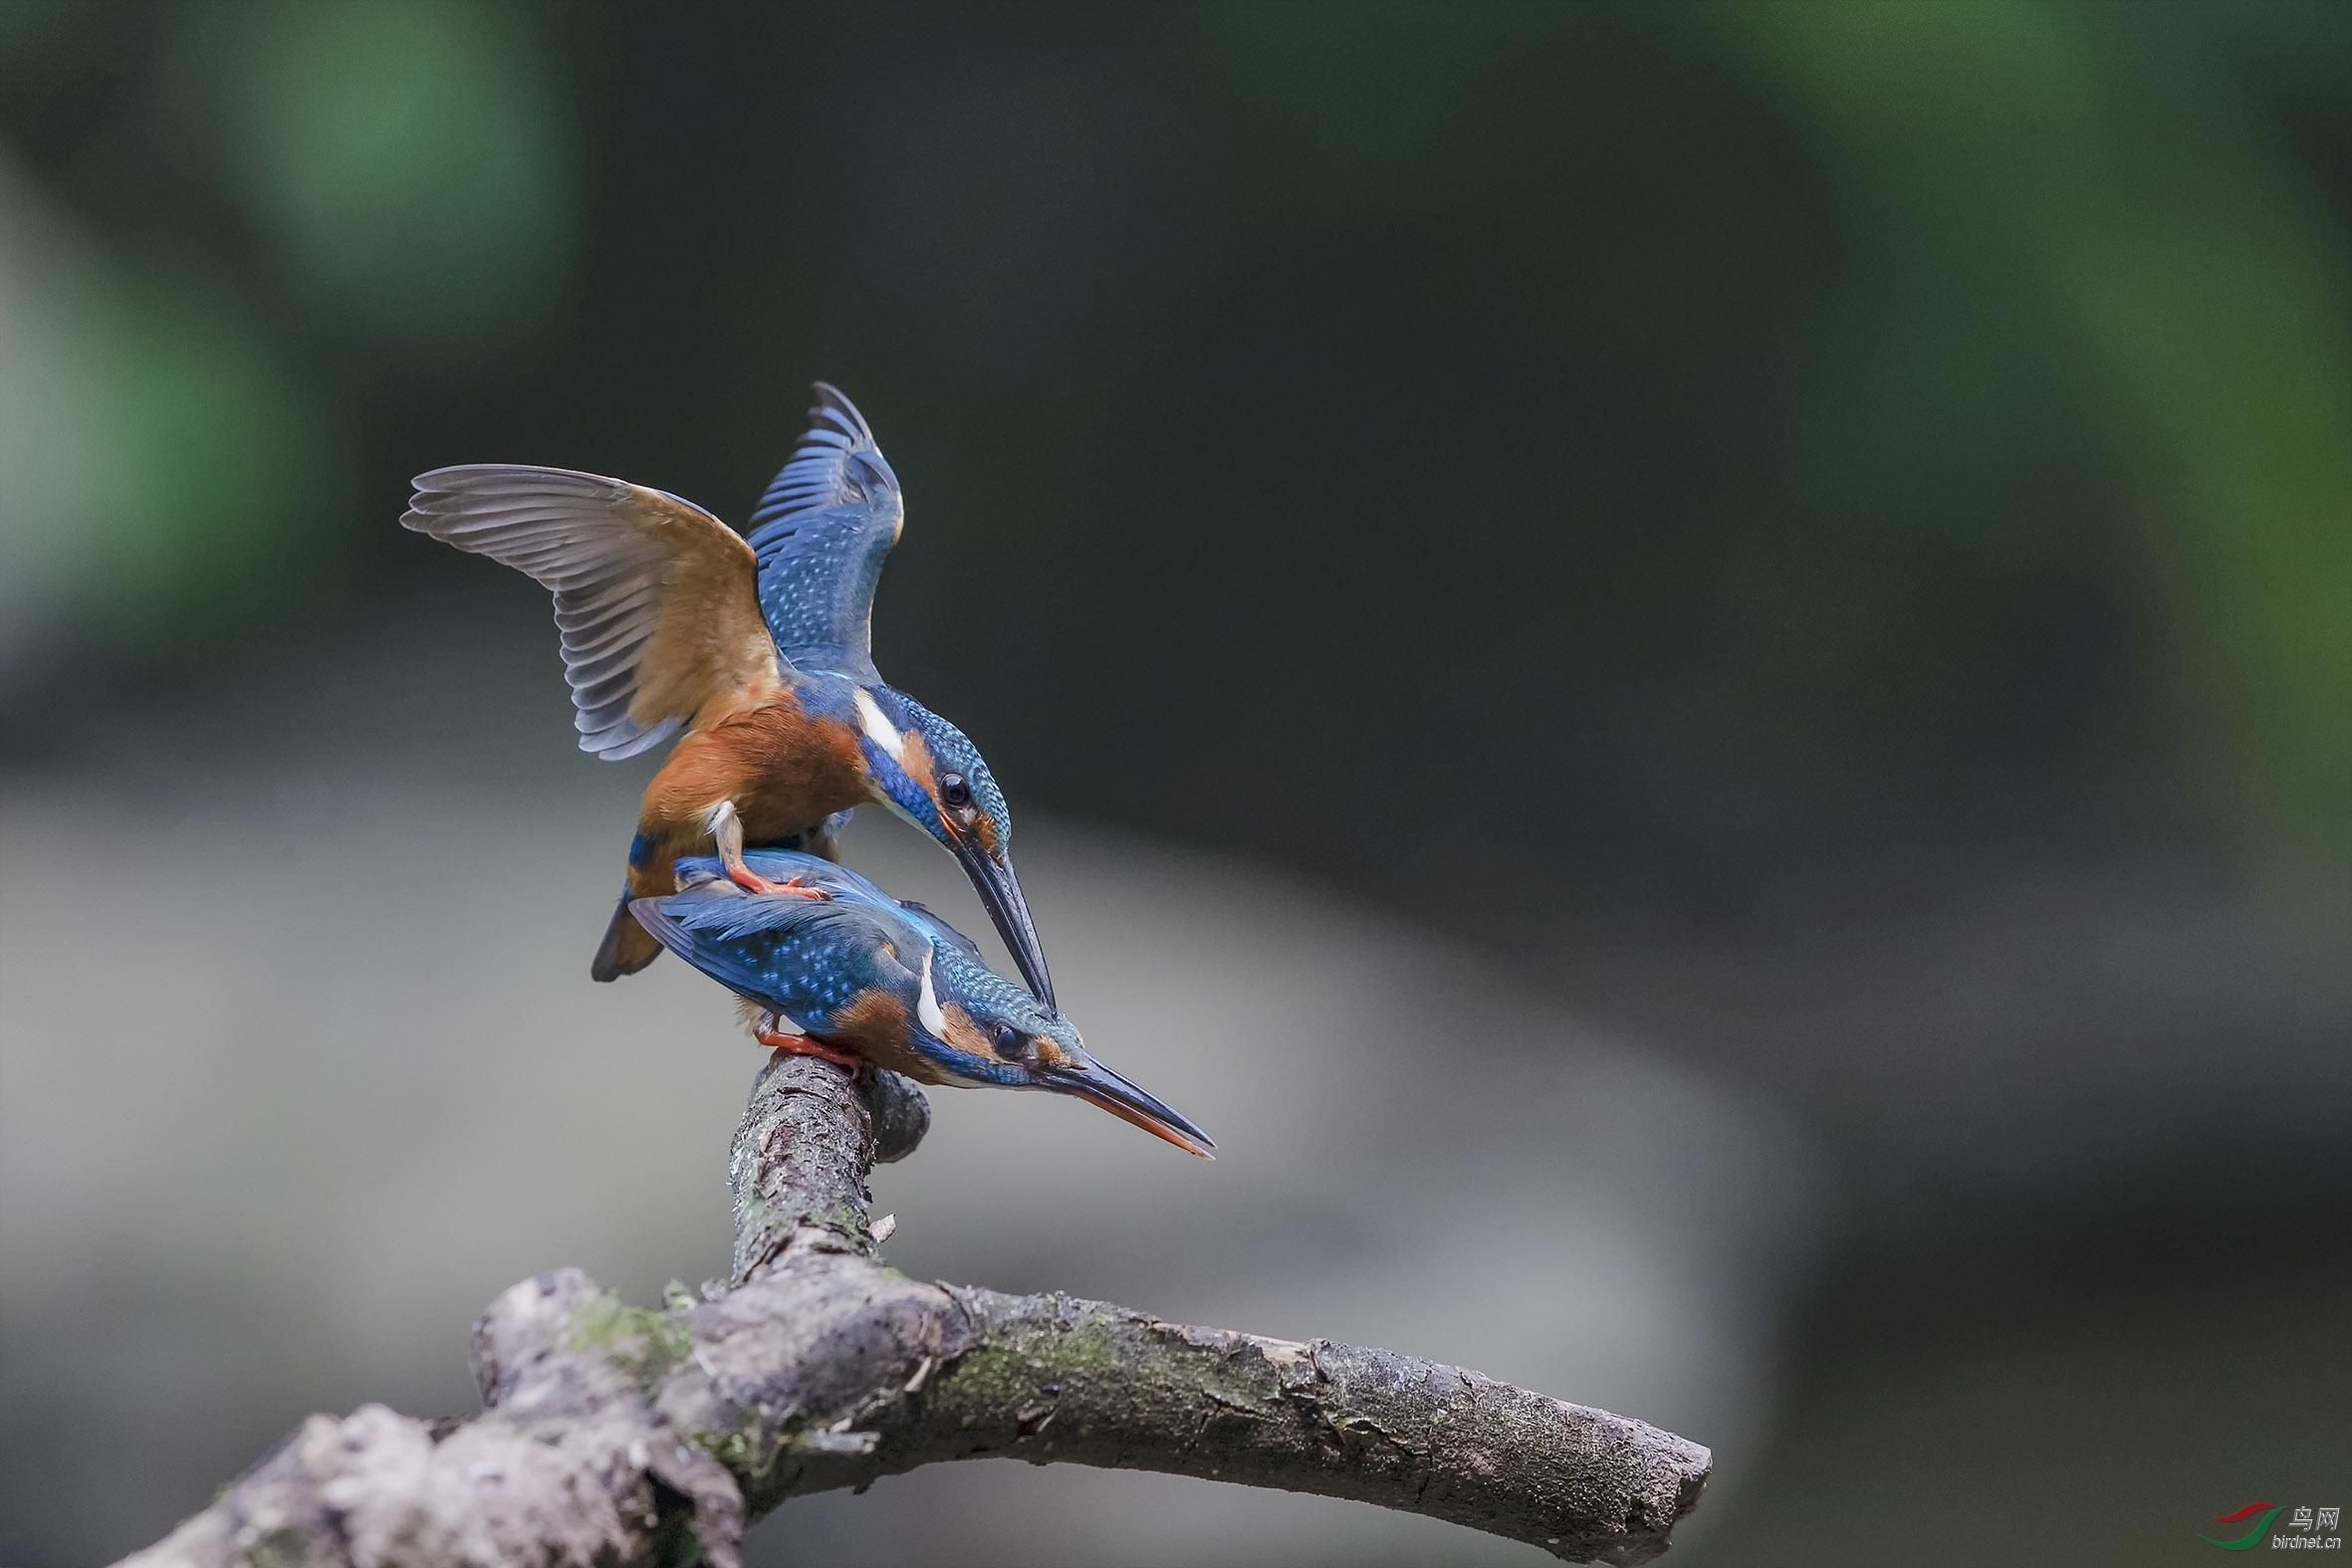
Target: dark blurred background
{"points": [[1812, 540]]}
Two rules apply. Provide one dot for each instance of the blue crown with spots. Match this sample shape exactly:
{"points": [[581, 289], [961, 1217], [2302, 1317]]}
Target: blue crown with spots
{"points": [[953, 751]]}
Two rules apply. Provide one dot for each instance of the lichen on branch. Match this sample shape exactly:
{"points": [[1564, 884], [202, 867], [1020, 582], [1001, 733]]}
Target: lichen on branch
{"points": [[621, 1435]]}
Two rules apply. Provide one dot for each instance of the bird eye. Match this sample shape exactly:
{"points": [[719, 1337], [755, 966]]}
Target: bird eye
{"points": [[1008, 1042], [955, 790]]}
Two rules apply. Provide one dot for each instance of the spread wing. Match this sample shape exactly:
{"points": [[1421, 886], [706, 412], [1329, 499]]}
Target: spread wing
{"points": [[654, 597], [821, 532]]}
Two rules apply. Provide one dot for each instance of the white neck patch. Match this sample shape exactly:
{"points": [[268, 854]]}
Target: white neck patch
{"points": [[927, 1004], [877, 726]]}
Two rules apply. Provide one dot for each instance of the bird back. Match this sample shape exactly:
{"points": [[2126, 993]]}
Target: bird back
{"points": [[803, 957]]}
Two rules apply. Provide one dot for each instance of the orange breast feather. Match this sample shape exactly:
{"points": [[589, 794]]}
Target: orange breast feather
{"points": [[875, 1026], [783, 767]]}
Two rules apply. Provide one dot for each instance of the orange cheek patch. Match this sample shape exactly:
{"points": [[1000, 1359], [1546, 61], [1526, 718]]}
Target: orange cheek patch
{"points": [[962, 1033], [915, 757]]}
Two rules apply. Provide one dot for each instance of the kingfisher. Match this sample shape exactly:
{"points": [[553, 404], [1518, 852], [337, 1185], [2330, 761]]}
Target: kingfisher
{"points": [[756, 650], [858, 976]]}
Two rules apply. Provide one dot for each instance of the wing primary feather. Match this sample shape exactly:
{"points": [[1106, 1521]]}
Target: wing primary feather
{"points": [[645, 741], [612, 553]]}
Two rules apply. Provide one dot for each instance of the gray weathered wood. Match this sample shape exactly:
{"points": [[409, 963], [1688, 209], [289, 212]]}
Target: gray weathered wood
{"points": [[618, 1435]]}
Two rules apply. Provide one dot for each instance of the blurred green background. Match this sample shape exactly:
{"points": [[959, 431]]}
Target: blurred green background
{"points": [[1820, 534]]}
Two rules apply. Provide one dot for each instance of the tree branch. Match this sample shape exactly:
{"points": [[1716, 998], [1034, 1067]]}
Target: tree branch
{"points": [[625, 1435]]}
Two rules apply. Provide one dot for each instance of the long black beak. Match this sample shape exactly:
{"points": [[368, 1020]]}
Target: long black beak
{"points": [[1000, 895], [1092, 1081]]}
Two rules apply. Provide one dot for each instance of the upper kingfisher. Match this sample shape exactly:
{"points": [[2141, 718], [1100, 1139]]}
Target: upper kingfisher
{"points": [[861, 976], [759, 648]]}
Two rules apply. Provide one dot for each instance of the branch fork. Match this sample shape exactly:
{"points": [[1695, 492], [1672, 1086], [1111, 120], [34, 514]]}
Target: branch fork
{"points": [[618, 1435]]}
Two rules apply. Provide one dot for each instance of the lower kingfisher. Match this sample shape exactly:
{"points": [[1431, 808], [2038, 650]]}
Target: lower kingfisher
{"points": [[859, 977], [758, 649]]}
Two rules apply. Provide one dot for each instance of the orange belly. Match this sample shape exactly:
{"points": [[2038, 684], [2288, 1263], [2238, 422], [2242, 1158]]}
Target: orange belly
{"points": [[785, 769]]}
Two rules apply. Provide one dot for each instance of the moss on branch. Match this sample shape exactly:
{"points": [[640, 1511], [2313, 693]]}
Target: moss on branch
{"points": [[616, 1435]]}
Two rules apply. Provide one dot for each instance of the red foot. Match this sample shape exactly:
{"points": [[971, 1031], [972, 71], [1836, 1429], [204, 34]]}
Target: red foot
{"points": [[751, 881], [808, 1045]]}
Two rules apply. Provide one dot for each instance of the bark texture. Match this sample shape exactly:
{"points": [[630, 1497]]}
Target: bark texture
{"points": [[621, 1435]]}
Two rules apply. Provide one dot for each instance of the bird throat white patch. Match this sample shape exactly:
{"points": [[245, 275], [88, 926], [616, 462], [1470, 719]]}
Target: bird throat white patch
{"points": [[927, 1004], [878, 728]]}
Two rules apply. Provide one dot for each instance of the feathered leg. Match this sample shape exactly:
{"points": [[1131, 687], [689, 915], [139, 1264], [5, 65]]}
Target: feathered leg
{"points": [[727, 830]]}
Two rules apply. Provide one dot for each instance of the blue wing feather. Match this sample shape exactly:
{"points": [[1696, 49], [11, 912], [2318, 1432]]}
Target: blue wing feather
{"points": [[822, 532], [786, 865], [782, 866], [941, 930], [803, 957]]}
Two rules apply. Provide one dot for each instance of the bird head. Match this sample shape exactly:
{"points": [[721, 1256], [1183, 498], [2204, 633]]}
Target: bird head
{"points": [[976, 1028], [927, 770]]}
